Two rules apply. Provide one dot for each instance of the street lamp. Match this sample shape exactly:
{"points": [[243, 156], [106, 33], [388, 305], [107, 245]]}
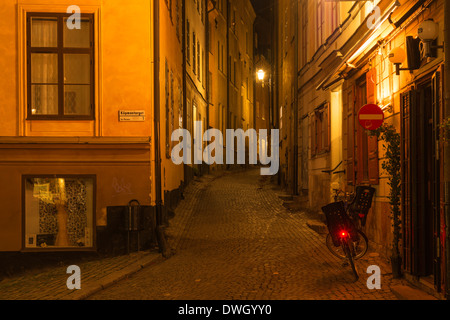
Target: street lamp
{"points": [[428, 32], [397, 56], [261, 74]]}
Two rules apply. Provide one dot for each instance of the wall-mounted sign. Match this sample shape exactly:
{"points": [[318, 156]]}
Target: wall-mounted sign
{"points": [[371, 116], [131, 115]]}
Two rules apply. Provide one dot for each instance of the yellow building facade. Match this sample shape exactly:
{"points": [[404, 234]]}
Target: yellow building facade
{"points": [[218, 68], [78, 140], [171, 93], [195, 71], [231, 67], [240, 64]]}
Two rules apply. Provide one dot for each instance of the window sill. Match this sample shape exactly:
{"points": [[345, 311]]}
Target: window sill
{"points": [[320, 154], [62, 249], [44, 118], [75, 140]]}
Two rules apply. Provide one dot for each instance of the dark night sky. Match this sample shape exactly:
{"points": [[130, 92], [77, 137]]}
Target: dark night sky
{"points": [[263, 9], [261, 6]]}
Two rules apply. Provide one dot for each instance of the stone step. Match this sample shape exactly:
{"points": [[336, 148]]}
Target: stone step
{"points": [[286, 197], [321, 216], [403, 292], [317, 226]]}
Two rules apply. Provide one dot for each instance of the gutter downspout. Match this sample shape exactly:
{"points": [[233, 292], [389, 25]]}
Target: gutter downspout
{"points": [[228, 71], [253, 76], [446, 159], [295, 186], [276, 73], [207, 45], [183, 49], [160, 232], [408, 14]]}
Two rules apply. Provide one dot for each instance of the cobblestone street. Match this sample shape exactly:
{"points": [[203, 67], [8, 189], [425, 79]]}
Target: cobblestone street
{"points": [[235, 240], [226, 153]]}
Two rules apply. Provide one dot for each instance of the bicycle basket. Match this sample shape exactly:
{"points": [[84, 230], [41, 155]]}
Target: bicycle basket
{"points": [[338, 220], [362, 202]]}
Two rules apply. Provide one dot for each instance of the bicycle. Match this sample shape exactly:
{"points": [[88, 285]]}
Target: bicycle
{"points": [[345, 239], [347, 198]]}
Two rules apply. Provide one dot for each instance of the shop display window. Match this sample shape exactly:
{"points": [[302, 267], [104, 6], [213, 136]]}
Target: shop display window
{"points": [[59, 211]]}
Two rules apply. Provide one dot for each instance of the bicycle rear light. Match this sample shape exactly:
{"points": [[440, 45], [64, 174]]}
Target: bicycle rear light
{"points": [[343, 234]]}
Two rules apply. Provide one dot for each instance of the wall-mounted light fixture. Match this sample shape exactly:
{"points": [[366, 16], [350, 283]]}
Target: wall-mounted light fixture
{"points": [[428, 32], [397, 56], [261, 74], [389, 108]]}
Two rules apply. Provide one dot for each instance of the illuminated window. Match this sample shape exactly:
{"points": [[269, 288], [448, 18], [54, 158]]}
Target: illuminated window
{"points": [[188, 43], [334, 11], [304, 32], [194, 58], [320, 130], [198, 61], [60, 68], [362, 149], [319, 23], [59, 211]]}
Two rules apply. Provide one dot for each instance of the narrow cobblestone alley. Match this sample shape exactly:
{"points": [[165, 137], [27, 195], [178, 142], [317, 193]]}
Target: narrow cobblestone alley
{"points": [[239, 242]]}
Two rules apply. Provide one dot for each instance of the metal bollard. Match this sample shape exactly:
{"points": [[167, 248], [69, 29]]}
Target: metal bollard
{"points": [[133, 222]]}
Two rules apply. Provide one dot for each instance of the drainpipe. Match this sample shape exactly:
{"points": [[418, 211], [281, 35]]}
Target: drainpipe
{"points": [[447, 149], [207, 45], [228, 72], [275, 73], [183, 49], [253, 77], [296, 104], [160, 234]]}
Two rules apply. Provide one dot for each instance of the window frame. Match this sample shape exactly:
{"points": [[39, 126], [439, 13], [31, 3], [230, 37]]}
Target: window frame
{"points": [[194, 57], [320, 130], [305, 21], [188, 42], [60, 50], [367, 171], [335, 16], [362, 149], [91, 248], [320, 24]]}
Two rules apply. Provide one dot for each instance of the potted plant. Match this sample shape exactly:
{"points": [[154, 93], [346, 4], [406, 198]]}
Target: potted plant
{"points": [[392, 165]]}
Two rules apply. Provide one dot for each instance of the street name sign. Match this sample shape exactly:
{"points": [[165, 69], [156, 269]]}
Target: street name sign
{"points": [[131, 115]]}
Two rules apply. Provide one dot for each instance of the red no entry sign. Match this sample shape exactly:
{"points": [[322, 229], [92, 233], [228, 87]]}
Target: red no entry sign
{"points": [[371, 116]]}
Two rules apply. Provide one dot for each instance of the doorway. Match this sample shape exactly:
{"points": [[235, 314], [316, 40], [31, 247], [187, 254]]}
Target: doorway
{"points": [[421, 178], [423, 163]]}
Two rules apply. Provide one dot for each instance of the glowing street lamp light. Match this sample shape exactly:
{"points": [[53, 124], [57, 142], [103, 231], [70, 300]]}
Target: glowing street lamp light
{"points": [[397, 56], [428, 32], [260, 74]]}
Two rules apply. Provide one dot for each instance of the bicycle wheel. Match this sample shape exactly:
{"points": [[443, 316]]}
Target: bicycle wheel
{"points": [[350, 254], [360, 247]]}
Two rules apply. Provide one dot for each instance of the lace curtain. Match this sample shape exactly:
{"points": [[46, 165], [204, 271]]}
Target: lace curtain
{"points": [[44, 67]]}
